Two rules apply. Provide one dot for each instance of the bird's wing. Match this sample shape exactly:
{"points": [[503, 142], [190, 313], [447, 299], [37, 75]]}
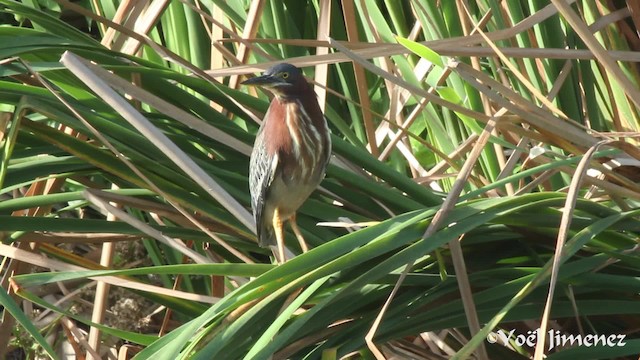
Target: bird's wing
{"points": [[328, 145], [262, 172]]}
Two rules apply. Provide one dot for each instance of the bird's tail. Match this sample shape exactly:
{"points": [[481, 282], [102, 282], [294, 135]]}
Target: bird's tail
{"points": [[266, 237]]}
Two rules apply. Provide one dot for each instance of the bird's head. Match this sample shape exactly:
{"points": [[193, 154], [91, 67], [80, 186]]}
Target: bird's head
{"points": [[282, 79]]}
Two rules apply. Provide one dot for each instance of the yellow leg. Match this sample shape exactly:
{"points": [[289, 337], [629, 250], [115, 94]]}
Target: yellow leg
{"points": [[277, 227], [296, 230]]}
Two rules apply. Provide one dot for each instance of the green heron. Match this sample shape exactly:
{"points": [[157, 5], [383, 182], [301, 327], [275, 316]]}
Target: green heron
{"points": [[290, 155]]}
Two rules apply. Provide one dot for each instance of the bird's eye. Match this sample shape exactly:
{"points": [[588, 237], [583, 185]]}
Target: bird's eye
{"points": [[284, 75]]}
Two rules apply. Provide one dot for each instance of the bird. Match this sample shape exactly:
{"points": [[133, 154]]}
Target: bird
{"points": [[290, 154]]}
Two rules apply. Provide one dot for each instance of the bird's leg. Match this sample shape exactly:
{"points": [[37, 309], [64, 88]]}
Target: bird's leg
{"points": [[296, 230], [277, 227]]}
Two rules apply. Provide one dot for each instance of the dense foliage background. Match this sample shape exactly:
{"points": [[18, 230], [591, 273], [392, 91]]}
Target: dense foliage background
{"points": [[483, 183]]}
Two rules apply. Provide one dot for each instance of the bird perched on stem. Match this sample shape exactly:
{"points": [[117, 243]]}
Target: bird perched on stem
{"points": [[290, 155]]}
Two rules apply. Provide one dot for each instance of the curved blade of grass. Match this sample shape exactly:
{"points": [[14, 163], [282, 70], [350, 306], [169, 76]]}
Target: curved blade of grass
{"points": [[12, 308], [571, 247]]}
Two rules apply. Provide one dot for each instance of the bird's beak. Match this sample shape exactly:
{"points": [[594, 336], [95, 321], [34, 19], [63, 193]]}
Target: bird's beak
{"points": [[265, 80]]}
